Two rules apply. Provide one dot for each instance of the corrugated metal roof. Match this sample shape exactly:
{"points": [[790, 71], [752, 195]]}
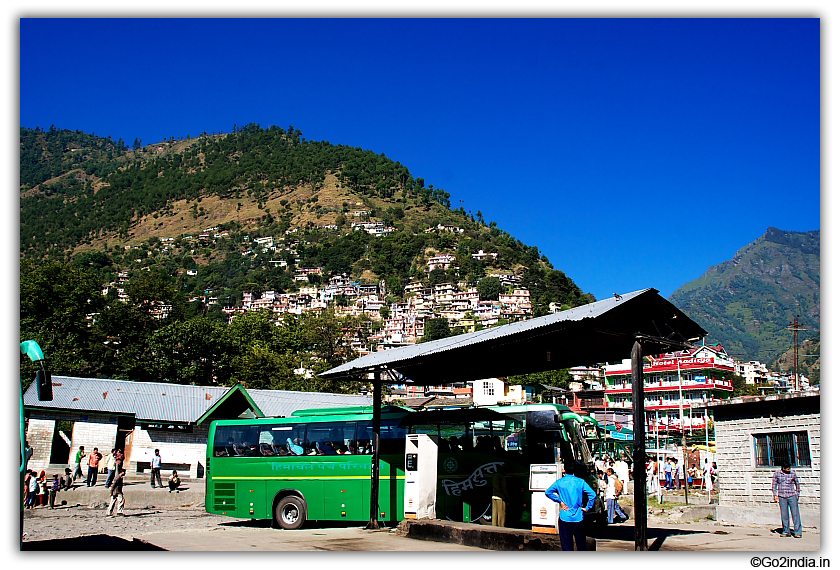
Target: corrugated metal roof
{"points": [[275, 403], [162, 402], [401, 354], [154, 401]]}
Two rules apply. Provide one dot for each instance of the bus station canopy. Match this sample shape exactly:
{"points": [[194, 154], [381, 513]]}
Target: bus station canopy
{"points": [[603, 331]]}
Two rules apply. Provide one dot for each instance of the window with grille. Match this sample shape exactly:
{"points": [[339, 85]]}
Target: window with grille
{"points": [[488, 389], [771, 449]]}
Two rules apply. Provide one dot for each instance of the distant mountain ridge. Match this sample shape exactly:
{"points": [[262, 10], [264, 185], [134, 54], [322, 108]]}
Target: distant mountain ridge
{"points": [[749, 302]]}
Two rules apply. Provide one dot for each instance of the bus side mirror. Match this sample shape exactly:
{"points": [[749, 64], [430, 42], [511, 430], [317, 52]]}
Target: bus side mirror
{"points": [[558, 418], [43, 384]]}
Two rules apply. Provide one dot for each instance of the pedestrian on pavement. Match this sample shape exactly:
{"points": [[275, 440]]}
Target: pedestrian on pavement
{"points": [[93, 467], [77, 465], [786, 493], [111, 465], [156, 461], [611, 494], [55, 488], [569, 491], [117, 498]]}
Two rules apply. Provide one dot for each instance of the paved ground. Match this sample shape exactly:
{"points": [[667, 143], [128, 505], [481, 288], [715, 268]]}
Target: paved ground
{"points": [[156, 519]]}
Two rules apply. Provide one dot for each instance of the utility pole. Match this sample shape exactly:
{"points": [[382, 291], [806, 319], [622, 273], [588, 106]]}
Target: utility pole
{"points": [[795, 328]]}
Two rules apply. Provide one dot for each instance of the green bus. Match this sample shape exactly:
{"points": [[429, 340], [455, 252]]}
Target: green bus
{"points": [[317, 464]]}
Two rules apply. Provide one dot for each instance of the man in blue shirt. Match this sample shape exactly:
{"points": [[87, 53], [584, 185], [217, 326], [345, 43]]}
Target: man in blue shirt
{"points": [[569, 491]]}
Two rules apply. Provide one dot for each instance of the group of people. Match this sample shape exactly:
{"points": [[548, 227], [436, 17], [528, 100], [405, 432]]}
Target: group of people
{"points": [[614, 479], [39, 491], [113, 464]]}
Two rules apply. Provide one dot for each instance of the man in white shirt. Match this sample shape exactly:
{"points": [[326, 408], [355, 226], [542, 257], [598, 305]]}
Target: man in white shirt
{"points": [[622, 471]]}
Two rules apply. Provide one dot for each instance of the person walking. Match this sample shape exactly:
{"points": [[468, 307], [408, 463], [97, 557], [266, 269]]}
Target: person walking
{"points": [[77, 464], [569, 491], [111, 465], [611, 494], [786, 493], [622, 471], [156, 462], [93, 467], [117, 498]]}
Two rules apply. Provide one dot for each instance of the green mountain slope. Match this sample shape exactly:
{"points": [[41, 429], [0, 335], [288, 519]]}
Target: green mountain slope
{"points": [[748, 302], [113, 209]]}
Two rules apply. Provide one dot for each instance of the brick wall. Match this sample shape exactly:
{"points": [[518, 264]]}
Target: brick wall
{"points": [[93, 430], [742, 484], [39, 434]]}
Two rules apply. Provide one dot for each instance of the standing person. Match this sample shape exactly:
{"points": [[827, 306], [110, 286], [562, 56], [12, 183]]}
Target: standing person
{"points": [[33, 490], [714, 473], [569, 491], [55, 488], [68, 479], [499, 497], [111, 465], [93, 466], [43, 494], [707, 478], [786, 493], [669, 471], [117, 498], [611, 494], [156, 461], [26, 489], [77, 465]]}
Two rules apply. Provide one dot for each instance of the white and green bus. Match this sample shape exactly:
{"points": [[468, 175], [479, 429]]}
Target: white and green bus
{"points": [[317, 464]]}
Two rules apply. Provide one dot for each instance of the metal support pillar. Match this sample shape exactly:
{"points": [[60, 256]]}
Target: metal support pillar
{"points": [[374, 476], [639, 455]]}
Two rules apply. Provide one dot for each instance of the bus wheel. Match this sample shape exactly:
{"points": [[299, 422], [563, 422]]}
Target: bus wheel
{"points": [[290, 513]]}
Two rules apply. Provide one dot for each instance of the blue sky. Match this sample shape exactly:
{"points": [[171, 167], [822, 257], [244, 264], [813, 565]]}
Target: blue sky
{"points": [[633, 152]]}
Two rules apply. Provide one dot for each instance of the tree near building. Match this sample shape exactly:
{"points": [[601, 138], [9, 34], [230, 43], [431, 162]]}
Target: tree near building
{"points": [[436, 329], [489, 289]]}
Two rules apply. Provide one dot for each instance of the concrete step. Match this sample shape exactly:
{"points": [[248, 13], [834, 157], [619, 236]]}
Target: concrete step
{"points": [[482, 536]]}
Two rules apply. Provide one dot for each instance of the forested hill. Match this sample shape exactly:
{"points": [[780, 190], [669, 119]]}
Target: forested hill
{"points": [[181, 231], [86, 198], [748, 302]]}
